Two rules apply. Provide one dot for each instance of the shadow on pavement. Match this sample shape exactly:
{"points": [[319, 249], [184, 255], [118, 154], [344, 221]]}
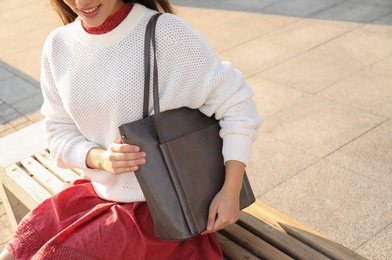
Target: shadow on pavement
{"points": [[359, 11], [20, 99]]}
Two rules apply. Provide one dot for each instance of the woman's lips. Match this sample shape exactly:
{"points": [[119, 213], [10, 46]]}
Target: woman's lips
{"points": [[91, 12]]}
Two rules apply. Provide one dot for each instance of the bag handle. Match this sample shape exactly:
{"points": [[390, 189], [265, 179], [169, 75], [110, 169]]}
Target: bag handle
{"points": [[150, 38], [150, 34]]}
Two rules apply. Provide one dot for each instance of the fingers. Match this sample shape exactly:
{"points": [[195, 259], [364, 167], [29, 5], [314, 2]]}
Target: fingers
{"points": [[126, 152], [223, 211], [138, 157], [219, 224], [121, 158], [128, 162], [214, 226], [215, 221], [212, 217], [124, 148]]}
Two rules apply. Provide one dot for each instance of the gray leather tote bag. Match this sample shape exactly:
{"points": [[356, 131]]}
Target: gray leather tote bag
{"points": [[185, 168]]}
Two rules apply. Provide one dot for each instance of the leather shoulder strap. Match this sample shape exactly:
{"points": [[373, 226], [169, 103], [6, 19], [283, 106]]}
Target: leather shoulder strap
{"points": [[149, 38]]}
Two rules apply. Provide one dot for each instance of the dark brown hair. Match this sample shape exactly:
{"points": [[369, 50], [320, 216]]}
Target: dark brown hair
{"points": [[68, 16]]}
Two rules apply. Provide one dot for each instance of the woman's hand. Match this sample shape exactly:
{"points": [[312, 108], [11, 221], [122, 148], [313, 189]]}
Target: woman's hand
{"points": [[117, 159], [225, 207], [224, 211]]}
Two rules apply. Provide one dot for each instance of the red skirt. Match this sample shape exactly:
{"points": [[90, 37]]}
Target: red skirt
{"points": [[77, 224]]}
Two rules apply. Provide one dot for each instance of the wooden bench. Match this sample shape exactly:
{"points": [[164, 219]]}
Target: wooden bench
{"points": [[27, 171]]}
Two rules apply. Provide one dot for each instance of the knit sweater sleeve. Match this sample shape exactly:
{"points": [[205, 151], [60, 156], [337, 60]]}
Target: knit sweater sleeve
{"points": [[192, 70], [67, 145]]}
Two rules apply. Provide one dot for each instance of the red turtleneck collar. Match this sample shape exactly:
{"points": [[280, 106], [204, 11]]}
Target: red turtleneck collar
{"points": [[111, 22]]}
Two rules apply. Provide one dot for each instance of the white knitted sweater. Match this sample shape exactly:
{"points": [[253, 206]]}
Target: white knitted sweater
{"points": [[94, 83]]}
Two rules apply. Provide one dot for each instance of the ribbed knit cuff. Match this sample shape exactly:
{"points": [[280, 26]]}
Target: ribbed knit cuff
{"points": [[237, 147], [78, 156]]}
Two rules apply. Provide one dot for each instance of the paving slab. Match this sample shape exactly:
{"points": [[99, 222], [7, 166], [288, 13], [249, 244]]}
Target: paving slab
{"points": [[196, 3], [25, 19], [29, 105], [19, 73], [314, 70], [274, 162], [205, 19], [353, 12], [337, 201], [300, 8], [306, 34], [4, 73], [9, 113], [367, 44], [284, 44], [258, 55], [369, 90], [385, 3], [242, 29], [272, 97], [14, 89], [384, 64], [385, 20], [370, 155], [27, 61], [20, 97], [319, 126], [245, 6], [6, 6], [381, 240], [17, 43], [320, 68], [33, 22]]}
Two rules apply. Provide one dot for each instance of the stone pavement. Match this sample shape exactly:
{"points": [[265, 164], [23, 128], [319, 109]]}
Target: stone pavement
{"points": [[322, 76]]}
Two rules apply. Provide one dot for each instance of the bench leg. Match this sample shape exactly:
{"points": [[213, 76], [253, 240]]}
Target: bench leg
{"points": [[7, 207]]}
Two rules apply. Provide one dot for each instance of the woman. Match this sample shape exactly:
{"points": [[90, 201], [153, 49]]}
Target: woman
{"points": [[92, 82]]}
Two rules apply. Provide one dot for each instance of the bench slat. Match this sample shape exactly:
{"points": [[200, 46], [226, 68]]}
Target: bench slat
{"points": [[301, 232], [233, 251], [30, 139], [26, 189], [42, 175], [276, 218], [326, 246], [281, 240], [63, 174], [252, 243]]}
